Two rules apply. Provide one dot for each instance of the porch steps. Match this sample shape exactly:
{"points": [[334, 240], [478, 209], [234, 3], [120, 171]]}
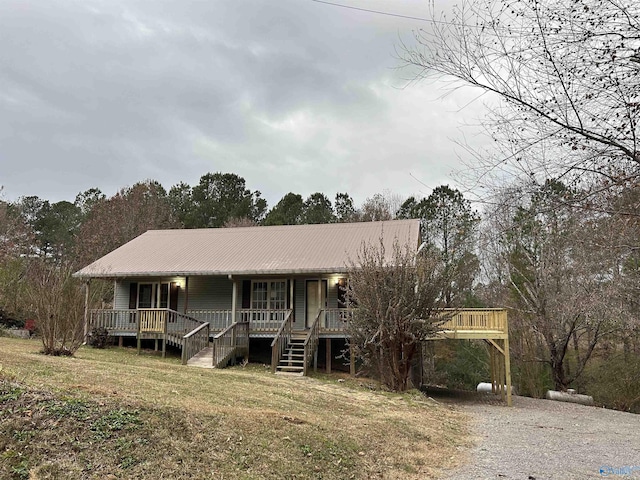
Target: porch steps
{"points": [[292, 362]]}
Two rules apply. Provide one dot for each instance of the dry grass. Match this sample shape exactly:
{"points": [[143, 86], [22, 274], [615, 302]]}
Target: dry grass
{"points": [[111, 413]]}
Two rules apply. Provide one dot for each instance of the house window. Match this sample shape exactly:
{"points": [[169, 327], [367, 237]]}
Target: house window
{"points": [[269, 295], [153, 295]]}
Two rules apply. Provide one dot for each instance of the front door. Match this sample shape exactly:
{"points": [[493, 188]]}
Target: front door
{"points": [[315, 301]]}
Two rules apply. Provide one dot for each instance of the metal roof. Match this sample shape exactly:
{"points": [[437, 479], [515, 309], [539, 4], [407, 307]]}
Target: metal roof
{"points": [[286, 249]]}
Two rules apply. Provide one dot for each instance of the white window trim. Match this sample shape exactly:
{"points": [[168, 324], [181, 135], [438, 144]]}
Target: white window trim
{"points": [[269, 282]]}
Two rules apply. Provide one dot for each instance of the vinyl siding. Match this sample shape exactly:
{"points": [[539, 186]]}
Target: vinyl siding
{"points": [[211, 293]]}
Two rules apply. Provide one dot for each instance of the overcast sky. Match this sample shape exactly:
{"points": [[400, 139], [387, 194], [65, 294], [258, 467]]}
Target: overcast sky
{"points": [[292, 95]]}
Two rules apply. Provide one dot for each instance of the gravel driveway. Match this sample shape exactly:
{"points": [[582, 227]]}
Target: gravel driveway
{"points": [[544, 439]]}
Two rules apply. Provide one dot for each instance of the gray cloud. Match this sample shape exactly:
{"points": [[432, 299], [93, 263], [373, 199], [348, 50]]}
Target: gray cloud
{"points": [[293, 95]]}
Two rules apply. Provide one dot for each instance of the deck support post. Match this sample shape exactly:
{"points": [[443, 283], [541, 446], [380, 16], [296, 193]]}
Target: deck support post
{"points": [[120, 341], [315, 359], [138, 334], [328, 352], [501, 385], [492, 365], [164, 336], [507, 368], [352, 361], [155, 348]]}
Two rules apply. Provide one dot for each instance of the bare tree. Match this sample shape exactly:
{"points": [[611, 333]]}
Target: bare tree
{"points": [[56, 300], [398, 297], [564, 289], [568, 75]]}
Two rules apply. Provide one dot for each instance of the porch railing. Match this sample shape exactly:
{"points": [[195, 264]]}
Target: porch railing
{"points": [[263, 320], [311, 344], [335, 320], [232, 340], [217, 319], [281, 340], [114, 320], [488, 319], [194, 341], [152, 320]]}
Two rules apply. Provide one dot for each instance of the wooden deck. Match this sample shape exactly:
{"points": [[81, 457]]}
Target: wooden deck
{"points": [[475, 323], [491, 326]]}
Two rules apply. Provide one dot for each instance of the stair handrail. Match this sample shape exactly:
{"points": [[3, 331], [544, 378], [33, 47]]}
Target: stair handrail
{"points": [[194, 341], [281, 340], [311, 344], [226, 343]]}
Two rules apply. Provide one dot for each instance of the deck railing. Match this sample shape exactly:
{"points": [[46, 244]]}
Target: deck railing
{"points": [[228, 343], [281, 340], [335, 320], [152, 320], [114, 320], [263, 320], [488, 319], [217, 319], [311, 344], [194, 341]]}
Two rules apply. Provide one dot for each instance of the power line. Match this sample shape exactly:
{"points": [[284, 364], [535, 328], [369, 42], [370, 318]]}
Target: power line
{"points": [[378, 12]]}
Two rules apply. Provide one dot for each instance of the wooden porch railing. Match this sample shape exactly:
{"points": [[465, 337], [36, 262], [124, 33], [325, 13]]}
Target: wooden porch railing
{"points": [[263, 320], [114, 320], [232, 340], [217, 319], [194, 341], [477, 319], [311, 344], [281, 340], [335, 320]]}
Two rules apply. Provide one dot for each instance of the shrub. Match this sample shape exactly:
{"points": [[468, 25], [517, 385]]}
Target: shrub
{"points": [[98, 337]]}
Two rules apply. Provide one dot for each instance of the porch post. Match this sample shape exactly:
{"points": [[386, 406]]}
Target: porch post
{"points": [[328, 349], [186, 294], [320, 305], [164, 336], [234, 301], [492, 363], [86, 309], [507, 369], [291, 296]]}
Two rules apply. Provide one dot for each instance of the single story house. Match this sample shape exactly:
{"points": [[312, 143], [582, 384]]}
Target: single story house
{"points": [[214, 291]]}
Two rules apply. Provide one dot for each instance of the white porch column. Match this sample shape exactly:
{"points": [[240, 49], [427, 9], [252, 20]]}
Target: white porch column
{"points": [[186, 294], [291, 294], [234, 300], [320, 303]]}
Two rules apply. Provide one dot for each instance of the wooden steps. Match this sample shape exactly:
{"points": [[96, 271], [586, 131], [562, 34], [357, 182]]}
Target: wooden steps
{"points": [[292, 362]]}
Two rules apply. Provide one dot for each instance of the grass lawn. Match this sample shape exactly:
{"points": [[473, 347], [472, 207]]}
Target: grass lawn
{"points": [[113, 414]]}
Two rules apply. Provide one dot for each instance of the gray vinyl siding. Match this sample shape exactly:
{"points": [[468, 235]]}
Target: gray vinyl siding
{"points": [[211, 293], [121, 295]]}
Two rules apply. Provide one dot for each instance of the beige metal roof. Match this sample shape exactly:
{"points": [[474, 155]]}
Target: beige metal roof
{"points": [[250, 250]]}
